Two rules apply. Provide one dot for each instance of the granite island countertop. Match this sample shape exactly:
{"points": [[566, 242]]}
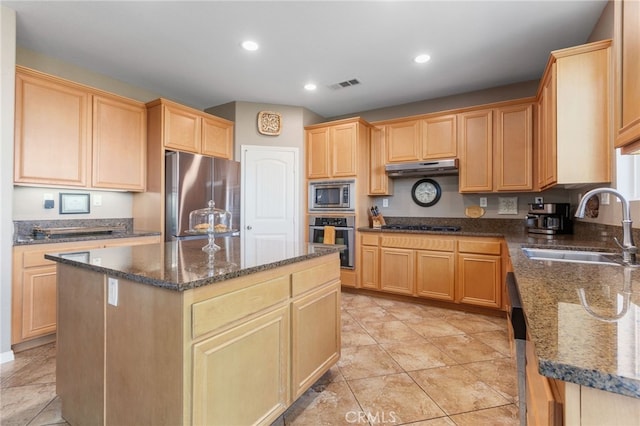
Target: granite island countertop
{"points": [[586, 346], [182, 265]]}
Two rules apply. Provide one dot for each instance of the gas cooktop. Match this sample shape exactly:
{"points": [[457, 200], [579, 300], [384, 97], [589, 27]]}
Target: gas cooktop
{"points": [[439, 228]]}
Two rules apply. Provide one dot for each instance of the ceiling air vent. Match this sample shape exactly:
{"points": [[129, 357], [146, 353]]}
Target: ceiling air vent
{"points": [[344, 84]]}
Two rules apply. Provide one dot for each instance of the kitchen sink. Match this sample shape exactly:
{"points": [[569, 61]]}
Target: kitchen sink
{"points": [[575, 256]]}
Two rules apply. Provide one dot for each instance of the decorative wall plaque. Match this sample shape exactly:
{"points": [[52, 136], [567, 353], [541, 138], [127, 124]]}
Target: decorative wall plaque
{"points": [[269, 123]]}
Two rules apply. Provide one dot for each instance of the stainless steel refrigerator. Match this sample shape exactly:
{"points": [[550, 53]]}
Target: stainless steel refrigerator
{"points": [[191, 181]]}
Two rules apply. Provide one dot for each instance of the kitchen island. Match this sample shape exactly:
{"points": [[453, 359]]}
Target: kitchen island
{"points": [[163, 334]]}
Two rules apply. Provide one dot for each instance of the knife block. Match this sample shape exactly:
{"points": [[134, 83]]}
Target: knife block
{"points": [[377, 221]]}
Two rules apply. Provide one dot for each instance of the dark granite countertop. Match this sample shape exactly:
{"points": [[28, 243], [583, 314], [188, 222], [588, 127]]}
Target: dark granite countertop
{"points": [[580, 345], [182, 265]]}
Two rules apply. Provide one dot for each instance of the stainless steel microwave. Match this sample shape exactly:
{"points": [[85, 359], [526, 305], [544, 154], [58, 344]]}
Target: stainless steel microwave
{"points": [[337, 195]]}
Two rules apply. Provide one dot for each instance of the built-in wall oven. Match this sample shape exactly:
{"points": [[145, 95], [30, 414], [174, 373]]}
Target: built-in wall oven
{"points": [[344, 235]]}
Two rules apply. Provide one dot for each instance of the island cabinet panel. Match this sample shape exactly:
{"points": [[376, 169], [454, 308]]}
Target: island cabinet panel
{"points": [[627, 63], [53, 121], [435, 275], [315, 344], [240, 377], [544, 405]]}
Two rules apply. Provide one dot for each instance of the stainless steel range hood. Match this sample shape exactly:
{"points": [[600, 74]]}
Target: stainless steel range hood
{"points": [[423, 168]]}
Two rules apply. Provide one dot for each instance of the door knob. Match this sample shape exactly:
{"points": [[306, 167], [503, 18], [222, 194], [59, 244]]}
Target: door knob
{"points": [[249, 227]]}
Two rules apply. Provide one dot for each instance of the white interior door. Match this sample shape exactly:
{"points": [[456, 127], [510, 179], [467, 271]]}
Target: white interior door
{"points": [[270, 203]]}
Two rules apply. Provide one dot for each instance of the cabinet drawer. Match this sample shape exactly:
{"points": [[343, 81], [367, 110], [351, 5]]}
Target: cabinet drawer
{"points": [[421, 243], [36, 258], [369, 239], [479, 246], [211, 314], [313, 277]]}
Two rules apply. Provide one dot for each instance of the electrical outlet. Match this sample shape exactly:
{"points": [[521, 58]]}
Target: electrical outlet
{"points": [[604, 198], [112, 293], [483, 201], [385, 202], [97, 200], [538, 200]]}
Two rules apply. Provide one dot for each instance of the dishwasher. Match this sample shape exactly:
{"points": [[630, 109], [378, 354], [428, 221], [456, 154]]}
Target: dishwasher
{"points": [[519, 327]]}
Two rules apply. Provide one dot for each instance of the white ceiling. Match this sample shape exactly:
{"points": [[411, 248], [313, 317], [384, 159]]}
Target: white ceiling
{"points": [[190, 51]]}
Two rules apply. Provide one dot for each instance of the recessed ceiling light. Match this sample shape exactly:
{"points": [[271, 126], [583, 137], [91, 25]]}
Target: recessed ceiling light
{"points": [[421, 59], [310, 86], [250, 45]]}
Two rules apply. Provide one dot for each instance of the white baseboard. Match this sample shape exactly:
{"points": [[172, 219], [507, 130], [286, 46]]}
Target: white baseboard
{"points": [[6, 357]]}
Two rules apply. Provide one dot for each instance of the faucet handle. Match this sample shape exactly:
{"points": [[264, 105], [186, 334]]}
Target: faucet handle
{"points": [[618, 243]]}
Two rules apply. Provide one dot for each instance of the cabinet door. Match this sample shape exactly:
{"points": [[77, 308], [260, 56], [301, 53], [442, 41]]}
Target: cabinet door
{"points": [[543, 407], [344, 139], [627, 98], [378, 180], [225, 376], [182, 129], [38, 301], [547, 151], [397, 270], [217, 138], [119, 144], [435, 272], [439, 137], [52, 122], [318, 151], [514, 148], [369, 270], [476, 151], [479, 279], [403, 141], [315, 345]]}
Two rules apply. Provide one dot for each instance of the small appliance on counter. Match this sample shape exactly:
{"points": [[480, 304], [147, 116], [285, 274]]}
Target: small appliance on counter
{"points": [[549, 218]]}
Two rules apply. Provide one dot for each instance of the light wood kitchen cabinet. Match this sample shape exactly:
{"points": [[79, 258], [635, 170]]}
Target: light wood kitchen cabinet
{"points": [[403, 141], [439, 137], [379, 182], [575, 110], [369, 264], [627, 70], [496, 148], [513, 168], [544, 401], [53, 121], [34, 284], [475, 135], [119, 144], [480, 272], [397, 270], [430, 137], [100, 137], [186, 129], [263, 337], [435, 275], [333, 149]]}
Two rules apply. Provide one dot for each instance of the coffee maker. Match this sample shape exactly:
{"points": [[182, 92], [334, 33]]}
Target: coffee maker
{"points": [[549, 218]]}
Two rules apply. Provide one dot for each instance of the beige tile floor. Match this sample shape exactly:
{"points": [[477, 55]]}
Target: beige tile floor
{"points": [[401, 363]]}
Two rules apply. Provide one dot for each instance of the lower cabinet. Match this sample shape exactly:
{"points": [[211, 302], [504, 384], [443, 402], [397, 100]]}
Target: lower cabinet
{"points": [[397, 270], [544, 399], [33, 289], [236, 352], [456, 269]]}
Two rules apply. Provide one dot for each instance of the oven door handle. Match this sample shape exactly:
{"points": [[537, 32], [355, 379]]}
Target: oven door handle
{"points": [[337, 228]]}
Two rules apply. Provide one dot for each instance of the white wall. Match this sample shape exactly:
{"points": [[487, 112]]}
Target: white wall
{"points": [[7, 84]]}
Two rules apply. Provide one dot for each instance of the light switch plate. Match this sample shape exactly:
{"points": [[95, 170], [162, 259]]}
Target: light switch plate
{"points": [[483, 201]]}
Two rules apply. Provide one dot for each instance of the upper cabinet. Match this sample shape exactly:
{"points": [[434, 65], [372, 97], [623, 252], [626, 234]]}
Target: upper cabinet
{"points": [[98, 139], [496, 148], [573, 144], [186, 129], [627, 88], [431, 137], [379, 182], [334, 150]]}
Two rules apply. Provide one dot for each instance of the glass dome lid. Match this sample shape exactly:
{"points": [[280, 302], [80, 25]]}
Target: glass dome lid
{"points": [[210, 220]]}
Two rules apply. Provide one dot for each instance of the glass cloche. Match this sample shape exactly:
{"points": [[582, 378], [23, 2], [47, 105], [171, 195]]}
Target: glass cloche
{"points": [[210, 221]]}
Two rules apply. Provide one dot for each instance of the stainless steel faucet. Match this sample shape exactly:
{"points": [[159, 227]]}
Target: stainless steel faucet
{"points": [[629, 249]]}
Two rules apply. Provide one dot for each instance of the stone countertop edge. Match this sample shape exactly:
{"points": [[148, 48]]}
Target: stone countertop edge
{"points": [[170, 285], [32, 241]]}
